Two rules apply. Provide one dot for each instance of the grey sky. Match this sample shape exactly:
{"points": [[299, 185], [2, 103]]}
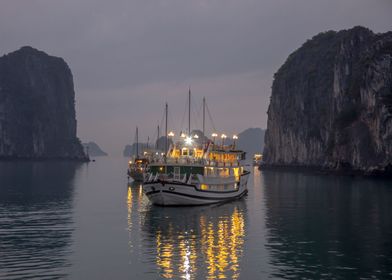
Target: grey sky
{"points": [[129, 57]]}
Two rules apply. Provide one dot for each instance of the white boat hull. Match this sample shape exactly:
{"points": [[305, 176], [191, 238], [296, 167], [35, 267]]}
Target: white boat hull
{"points": [[173, 193]]}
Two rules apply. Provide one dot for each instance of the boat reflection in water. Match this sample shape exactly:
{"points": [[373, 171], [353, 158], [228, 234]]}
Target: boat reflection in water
{"points": [[196, 242]]}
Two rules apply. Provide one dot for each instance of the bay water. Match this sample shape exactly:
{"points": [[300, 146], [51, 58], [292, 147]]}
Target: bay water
{"points": [[66, 220]]}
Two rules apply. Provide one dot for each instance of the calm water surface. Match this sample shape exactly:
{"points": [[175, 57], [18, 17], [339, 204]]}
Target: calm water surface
{"points": [[84, 221]]}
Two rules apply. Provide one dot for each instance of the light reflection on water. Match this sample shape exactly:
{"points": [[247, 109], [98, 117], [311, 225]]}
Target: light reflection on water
{"points": [[193, 242]]}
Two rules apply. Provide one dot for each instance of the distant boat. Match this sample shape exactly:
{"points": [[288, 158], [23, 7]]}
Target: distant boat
{"points": [[191, 173], [257, 159], [137, 165]]}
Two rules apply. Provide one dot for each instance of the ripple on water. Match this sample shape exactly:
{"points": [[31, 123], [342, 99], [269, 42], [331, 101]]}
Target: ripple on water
{"points": [[34, 241]]}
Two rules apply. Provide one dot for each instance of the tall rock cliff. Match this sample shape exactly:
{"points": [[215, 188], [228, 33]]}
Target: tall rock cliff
{"points": [[37, 107], [331, 104]]}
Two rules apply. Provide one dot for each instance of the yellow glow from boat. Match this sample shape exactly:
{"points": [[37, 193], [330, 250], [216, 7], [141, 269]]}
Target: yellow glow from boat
{"points": [[164, 256], [129, 208], [204, 187], [199, 153], [218, 243], [237, 174]]}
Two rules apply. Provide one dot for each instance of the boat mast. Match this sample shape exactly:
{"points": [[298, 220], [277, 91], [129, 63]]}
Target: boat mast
{"points": [[156, 146], [189, 113], [204, 117], [166, 143], [148, 142], [137, 142]]}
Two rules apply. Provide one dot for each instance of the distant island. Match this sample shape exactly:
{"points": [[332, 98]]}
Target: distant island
{"points": [[331, 105], [37, 108], [93, 149], [159, 145], [250, 140]]}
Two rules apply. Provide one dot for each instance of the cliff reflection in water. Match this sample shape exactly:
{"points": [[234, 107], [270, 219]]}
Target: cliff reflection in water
{"points": [[196, 242], [36, 224], [323, 227]]}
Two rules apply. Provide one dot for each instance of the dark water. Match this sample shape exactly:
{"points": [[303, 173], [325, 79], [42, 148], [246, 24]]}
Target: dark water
{"points": [[82, 221]]}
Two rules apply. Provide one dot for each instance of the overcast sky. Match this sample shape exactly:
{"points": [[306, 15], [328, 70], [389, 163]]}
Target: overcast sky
{"points": [[129, 57]]}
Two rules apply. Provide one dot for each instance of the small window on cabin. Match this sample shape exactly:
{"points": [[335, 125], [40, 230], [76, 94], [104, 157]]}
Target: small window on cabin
{"points": [[184, 152], [223, 172], [210, 171]]}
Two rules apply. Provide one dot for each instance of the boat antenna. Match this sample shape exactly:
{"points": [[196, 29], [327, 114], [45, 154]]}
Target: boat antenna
{"points": [[189, 112]]}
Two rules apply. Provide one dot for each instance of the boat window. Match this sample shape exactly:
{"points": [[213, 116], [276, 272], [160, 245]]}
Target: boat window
{"points": [[219, 188], [223, 171], [209, 171], [236, 172]]}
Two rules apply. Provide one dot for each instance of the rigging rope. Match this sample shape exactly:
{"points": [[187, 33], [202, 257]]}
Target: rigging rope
{"points": [[210, 117]]}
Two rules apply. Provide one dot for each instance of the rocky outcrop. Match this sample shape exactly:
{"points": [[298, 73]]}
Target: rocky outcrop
{"points": [[251, 140], [37, 107], [130, 150], [331, 104], [93, 150]]}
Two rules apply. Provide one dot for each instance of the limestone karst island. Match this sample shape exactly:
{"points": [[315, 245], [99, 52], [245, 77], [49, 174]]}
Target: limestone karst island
{"points": [[37, 107], [331, 105]]}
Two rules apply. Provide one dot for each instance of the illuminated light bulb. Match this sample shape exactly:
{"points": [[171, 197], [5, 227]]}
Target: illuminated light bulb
{"points": [[183, 135], [235, 137], [214, 135], [170, 134], [196, 136], [224, 136], [188, 140]]}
